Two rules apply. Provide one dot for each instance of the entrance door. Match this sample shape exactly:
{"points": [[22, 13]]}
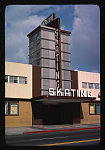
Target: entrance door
{"points": [[66, 114], [57, 114]]}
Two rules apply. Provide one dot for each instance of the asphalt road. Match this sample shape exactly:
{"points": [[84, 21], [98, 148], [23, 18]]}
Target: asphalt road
{"points": [[65, 138]]}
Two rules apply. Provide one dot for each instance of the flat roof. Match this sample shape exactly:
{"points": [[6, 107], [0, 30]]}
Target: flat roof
{"points": [[51, 28]]}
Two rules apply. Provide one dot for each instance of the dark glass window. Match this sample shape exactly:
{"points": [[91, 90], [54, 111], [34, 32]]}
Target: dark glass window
{"points": [[6, 108], [96, 85], [84, 84], [23, 80], [13, 79], [90, 85], [97, 108], [6, 78]]}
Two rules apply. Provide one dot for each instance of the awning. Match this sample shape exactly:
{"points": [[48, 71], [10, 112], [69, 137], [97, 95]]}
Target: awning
{"points": [[62, 99]]}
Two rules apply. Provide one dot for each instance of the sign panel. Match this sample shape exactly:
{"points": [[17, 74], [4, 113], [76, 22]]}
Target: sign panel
{"points": [[92, 109], [48, 20], [13, 109], [56, 24]]}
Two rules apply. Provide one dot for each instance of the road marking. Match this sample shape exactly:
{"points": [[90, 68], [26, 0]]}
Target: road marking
{"points": [[49, 138], [77, 129], [69, 142]]}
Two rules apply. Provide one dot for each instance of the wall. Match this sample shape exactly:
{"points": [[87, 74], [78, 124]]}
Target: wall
{"points": [[89, 77], [77, 78], [24, 118], [85, 117], [36, 85], [74, 80], [16, 90], [48, 59]]}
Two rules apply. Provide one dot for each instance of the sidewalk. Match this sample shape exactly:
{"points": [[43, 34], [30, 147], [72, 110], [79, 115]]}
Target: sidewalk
{"points": [[46, 128], [20, 130], [66, 126]]}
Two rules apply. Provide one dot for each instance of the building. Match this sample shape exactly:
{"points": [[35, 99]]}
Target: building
{"points": [[88, 81], [18, 92], [24, 108], [46, 91], [47, 43]]}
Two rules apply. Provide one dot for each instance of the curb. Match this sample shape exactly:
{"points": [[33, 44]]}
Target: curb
{"points": [[62, 130]]}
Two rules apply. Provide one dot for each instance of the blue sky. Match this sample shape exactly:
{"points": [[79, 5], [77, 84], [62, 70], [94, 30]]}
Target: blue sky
{"points": [[83, 21]]}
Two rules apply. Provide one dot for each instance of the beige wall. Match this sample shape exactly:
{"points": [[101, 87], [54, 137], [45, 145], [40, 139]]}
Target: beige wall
{"points": [[24, 118], [16, 90], [89, 77], [85, 117]]}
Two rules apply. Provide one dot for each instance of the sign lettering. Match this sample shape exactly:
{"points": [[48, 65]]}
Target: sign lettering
{"points": [[69, 92]]}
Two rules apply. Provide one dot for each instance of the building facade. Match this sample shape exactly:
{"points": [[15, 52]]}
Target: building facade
{"points": [[25, 106], [88, 81], [46, 91], [18, 92]]}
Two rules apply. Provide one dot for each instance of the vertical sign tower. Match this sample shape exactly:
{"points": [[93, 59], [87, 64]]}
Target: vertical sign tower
{"points": [[49, 48], [55, 23]]}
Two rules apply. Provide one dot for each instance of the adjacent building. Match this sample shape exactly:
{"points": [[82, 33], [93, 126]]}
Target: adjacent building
{"points": [[18, 92], [88, 81]]}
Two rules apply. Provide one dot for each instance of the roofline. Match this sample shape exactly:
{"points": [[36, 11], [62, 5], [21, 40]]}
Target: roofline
{"points": [[36, 29], [85, 71]]}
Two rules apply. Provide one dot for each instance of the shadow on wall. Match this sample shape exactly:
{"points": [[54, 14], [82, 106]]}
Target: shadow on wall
{"points": [[37, 113], [81, 112]]}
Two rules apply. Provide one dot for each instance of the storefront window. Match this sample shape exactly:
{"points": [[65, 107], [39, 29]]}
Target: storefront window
{"points": [[11, 108], [6, 108], [94, 109], [97, 108], [14, 108]]}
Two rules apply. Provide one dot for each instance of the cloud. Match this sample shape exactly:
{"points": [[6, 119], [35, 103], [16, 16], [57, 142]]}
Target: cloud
{"points": [[85, 33], [20, 20], [85, 38]]}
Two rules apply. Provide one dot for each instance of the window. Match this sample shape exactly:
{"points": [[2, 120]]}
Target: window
{"points": [[23, 80], [11, 108], [91, 109], [6, 108], [84, 85], [90, 85], [97, 108], [38, 63], [6, 78], [13, 79], [94, 109], [96, 85], [14, 108]]}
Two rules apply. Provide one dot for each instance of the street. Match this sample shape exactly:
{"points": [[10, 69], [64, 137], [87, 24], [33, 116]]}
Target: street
{"points": [[63, 138]]}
